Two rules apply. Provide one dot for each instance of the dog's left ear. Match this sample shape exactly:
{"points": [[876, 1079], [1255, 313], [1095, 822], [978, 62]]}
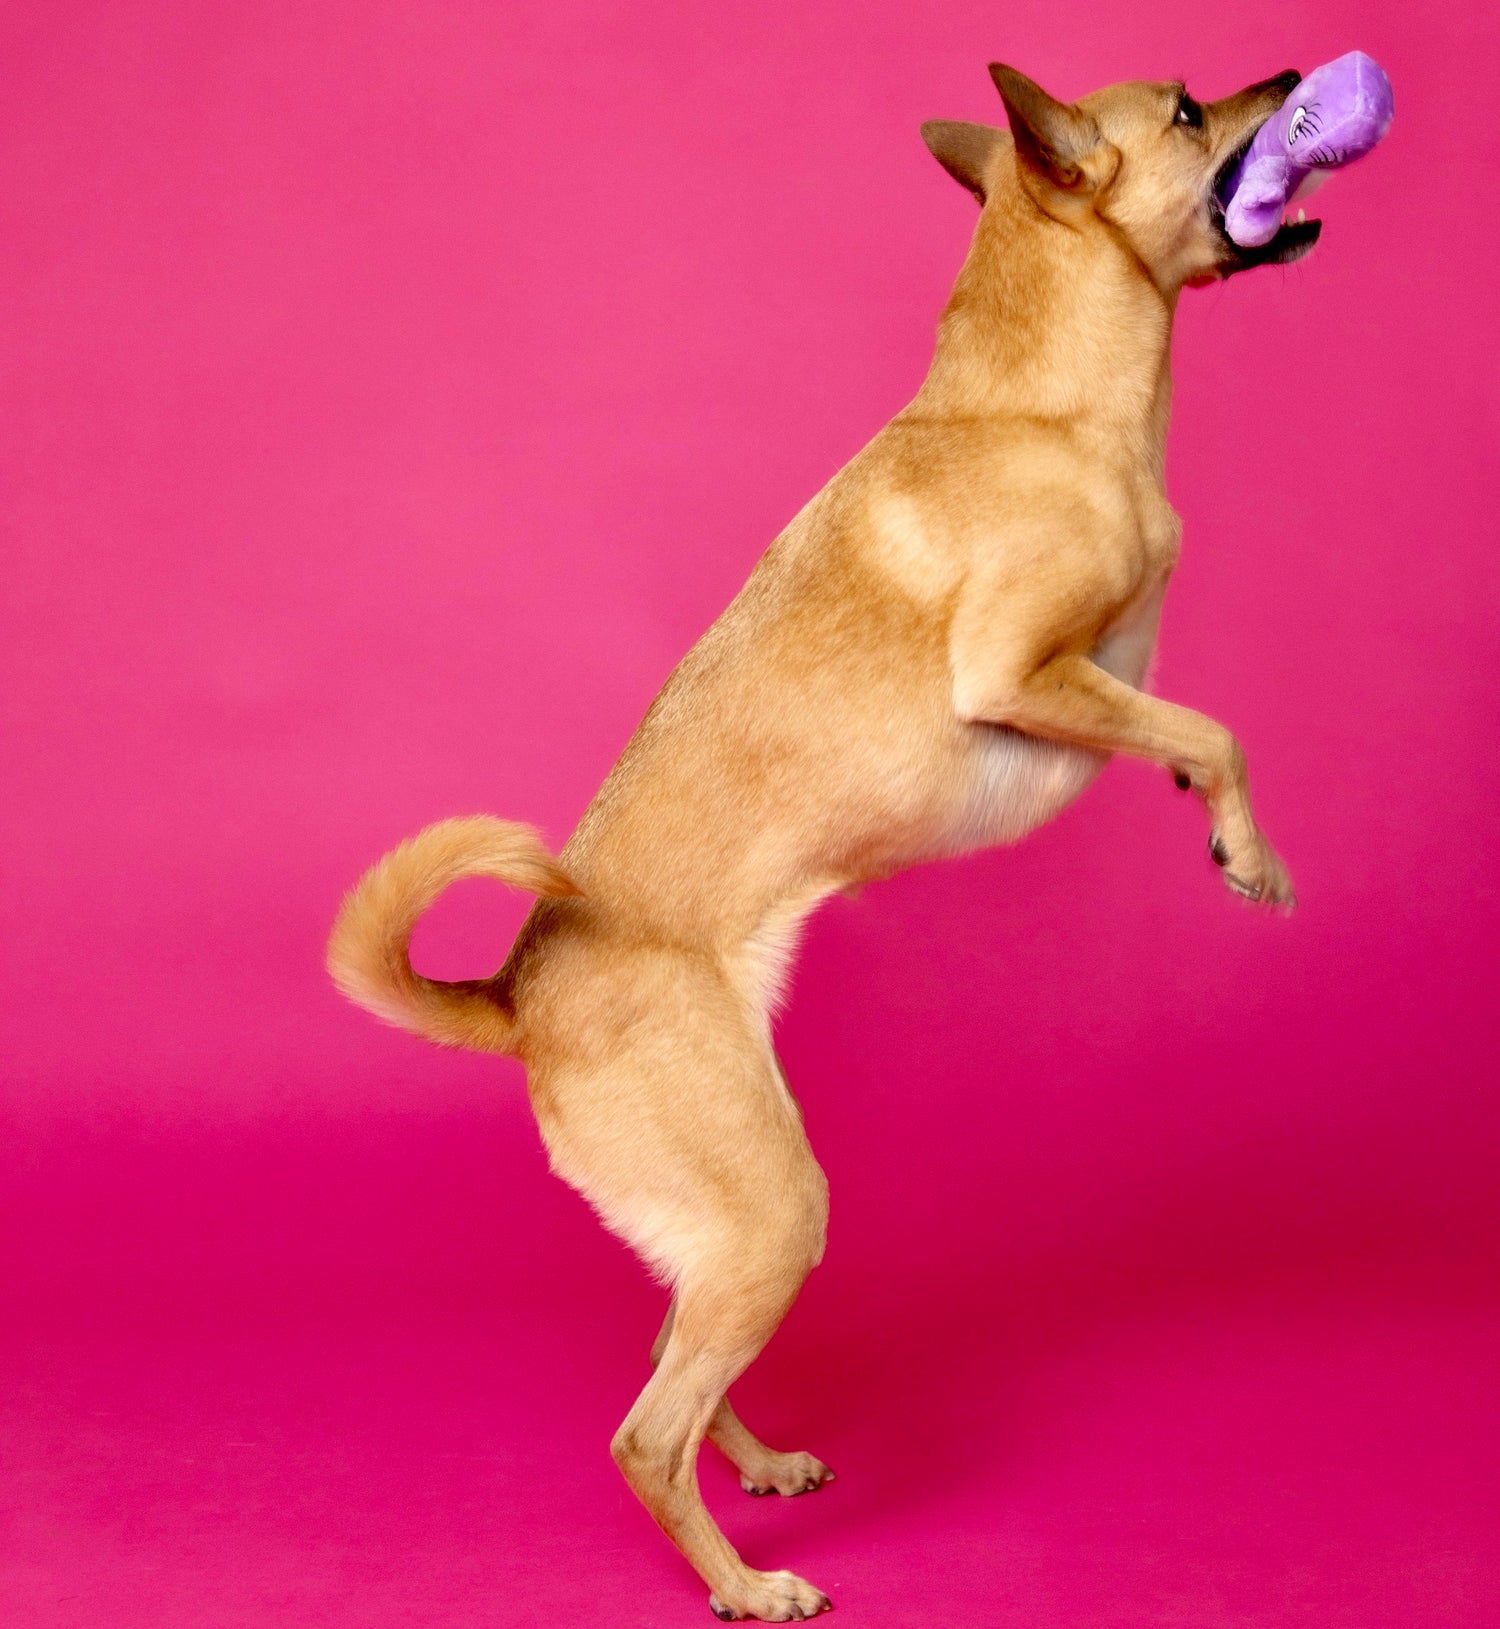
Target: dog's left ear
{"points": [[964, 151], [1057, 142]]}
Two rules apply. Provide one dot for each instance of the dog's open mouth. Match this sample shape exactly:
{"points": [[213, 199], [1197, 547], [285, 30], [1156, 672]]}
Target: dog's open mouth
{"points": [[1294, 237]]}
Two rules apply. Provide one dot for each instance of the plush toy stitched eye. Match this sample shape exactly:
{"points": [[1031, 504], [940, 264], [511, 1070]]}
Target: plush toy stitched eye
{"points": [[1294, 129], [1189, 113]]}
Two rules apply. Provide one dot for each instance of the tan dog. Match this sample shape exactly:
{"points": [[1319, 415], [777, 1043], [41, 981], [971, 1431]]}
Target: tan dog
{"points": [[938, 653]]}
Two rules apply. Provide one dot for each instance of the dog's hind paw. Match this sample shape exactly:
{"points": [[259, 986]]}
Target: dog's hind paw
{"points": [[786, 1474], [773, 1597]]}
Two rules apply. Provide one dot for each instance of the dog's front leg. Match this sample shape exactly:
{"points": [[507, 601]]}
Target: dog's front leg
{"points": [[1008, 669]]}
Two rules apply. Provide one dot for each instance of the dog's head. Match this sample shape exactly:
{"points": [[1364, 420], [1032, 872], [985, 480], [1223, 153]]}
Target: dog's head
{"points": [[1147, 159]]}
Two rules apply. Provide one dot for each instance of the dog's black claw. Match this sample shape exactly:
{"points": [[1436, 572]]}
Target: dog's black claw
{"points": [[1184, 783], [1218, 850], [757, 1493], [725, 1614]]}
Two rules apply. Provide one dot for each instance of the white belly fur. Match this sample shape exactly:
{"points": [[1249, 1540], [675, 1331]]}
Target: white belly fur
{"points": [[1019, 782]]}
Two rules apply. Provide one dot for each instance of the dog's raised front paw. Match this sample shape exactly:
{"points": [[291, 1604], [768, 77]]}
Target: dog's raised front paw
{"points": [[1253, 870]]}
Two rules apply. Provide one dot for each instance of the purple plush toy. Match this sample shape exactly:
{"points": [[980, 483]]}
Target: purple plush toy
{"points": [[1333, 117]]}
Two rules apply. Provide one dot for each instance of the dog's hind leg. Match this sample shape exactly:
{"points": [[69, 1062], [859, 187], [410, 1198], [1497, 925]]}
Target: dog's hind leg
{"points": [[671, 1118], [762, 1469], [728, 1306]]}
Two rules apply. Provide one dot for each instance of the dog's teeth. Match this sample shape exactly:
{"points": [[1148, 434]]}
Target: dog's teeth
{"points": [[1301, 217]]}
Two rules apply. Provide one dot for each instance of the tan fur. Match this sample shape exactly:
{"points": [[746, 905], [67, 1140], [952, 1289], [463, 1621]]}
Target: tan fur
{"points": [[367, 951], [938, 653]]}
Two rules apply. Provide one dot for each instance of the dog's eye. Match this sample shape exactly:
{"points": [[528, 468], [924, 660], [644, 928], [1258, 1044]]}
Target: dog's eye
{"points": [[1189, 113]]}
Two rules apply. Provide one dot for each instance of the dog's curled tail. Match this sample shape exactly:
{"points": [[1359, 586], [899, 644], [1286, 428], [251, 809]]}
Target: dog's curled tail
{"points": [[367, 950]]}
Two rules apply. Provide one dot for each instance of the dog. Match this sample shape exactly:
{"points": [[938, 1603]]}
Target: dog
{"points": [[939, 652]]}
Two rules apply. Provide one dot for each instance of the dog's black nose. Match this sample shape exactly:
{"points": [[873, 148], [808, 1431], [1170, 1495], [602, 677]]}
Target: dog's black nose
{"points": [[1288, 81]]}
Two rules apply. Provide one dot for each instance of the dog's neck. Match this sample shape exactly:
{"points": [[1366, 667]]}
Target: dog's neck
{"points": [[1054, 321]]}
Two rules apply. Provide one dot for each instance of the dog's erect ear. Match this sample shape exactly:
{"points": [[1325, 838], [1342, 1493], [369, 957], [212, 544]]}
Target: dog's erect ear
{"points": [[964, 150], [1057, 141]]}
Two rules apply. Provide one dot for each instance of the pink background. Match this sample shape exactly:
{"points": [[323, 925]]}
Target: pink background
{"points": [[392, 393]]}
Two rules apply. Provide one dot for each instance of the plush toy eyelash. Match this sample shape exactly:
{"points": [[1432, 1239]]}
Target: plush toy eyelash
{"points": [[1304, 119]]}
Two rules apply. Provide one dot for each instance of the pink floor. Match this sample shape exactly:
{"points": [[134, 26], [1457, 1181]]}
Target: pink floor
{"points": [[1250, 1463]]}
